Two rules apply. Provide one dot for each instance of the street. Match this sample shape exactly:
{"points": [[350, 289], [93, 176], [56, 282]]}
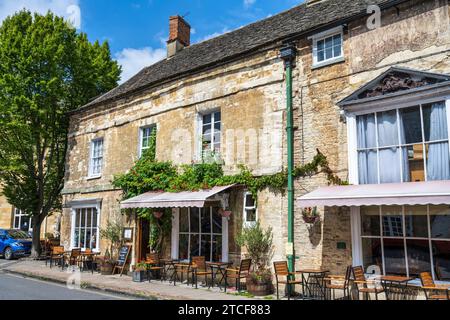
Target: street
{"points": [[14, 287]]}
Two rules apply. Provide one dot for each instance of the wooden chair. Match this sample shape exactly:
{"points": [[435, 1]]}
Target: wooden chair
{"points": [[199, 268], [282, 270], [362, 284], [152, 260], [339, 282], [57, 254], [433, 291], [237, 274], [74, 259]]}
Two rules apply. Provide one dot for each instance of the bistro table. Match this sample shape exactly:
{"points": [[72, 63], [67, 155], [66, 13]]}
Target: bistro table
{"points": [[218, 267], [390, 282], [313, 274], [168, 265], [88, 257]]}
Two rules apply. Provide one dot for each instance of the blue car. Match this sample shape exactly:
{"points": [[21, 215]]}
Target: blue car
{"points": [[14, 244]]}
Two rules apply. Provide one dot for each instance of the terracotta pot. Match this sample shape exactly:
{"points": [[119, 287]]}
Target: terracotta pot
{"points": [[311, 219]]}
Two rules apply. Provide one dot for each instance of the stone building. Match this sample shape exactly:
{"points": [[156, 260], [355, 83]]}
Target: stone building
{"points": [[228, 95]]}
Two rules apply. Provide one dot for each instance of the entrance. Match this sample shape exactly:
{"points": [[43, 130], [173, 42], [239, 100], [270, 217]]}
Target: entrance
{"points": [[143, 239]]}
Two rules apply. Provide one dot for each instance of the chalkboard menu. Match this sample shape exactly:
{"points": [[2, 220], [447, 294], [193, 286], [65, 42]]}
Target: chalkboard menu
{"points": [[121, 263], [123, 255]]}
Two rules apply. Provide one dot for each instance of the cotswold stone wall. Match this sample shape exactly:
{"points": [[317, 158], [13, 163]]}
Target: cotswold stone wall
{"points": [[5, 213], [417, 36]]}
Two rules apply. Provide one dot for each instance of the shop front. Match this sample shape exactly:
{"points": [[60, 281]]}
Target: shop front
{"points": [[200, 223]]}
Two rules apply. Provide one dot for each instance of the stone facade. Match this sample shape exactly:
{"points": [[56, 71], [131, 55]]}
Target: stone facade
{"points": [[250, 93]]}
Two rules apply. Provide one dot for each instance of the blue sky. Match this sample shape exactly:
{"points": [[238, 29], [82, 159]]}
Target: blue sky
{"points": [[137, 29]]}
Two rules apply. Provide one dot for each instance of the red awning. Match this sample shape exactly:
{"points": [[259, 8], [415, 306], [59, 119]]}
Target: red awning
{"points": [[411, 193], [172, 200]]}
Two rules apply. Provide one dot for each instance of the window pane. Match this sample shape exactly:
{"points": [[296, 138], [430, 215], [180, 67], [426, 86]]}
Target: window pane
{"points": [[328, 42], [94, 238], [410, 127], [94, 218], [217, 248], [250, 215], [82, 235], [88, 239], [370, 221], [195, 245], [207, 119], [387, 128], [217, 221], [418, 256], [329, 53], [394, 256], [392, 221], [76, 239], [195, 216], [366, 131], [416, 224], [337, 51], [206, 220], [440, 222], [206, 247], [320, 45], [367, 166], [413, 167], [390, 165], [16, 222], [435, 121], [249, 201], [441, 259], [371, 249], [89, 217], [217, 117], [320, 55], [83, 218], [184, 220], [77, 218], [184, 247], [438, 161]]}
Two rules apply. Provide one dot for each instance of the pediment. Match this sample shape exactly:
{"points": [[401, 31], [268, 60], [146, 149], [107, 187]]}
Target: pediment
{"points": [[394, 80]]}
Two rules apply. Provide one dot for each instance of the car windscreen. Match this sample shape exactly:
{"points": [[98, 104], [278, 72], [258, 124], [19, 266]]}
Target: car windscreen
{"points": [[17, 234]]}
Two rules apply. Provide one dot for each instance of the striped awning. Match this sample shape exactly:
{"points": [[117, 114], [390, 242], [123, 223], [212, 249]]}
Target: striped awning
{"points": [[411, 193], [173, 200]]}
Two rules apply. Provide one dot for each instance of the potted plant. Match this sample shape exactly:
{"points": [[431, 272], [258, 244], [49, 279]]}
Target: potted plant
{"points": [[259, 245], [140, 272], [310, 215], [113, 233]]}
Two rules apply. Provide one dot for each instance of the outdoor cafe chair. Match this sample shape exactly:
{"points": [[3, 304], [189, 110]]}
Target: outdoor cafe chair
{"points": [[182, 268], [152, 260], [238, 273], [362, 284], [281, 270], [339, 282], [74, 259], [199, 268], [57, 254], [432, 290]]}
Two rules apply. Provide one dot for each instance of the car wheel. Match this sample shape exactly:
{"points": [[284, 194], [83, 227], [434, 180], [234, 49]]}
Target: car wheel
{"points": [[8, 254]]}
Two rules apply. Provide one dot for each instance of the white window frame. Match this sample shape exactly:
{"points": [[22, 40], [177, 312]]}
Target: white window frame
{"points": [[322, 36], [141, 137], [19, 213], [355, 212], [87, 204], [91, 174], [200, 116], [247, 224], [175, 249]]}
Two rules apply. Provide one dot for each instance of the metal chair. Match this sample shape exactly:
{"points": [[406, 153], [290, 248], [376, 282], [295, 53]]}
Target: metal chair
{"points": [[362, 284], [238, 273], [433, 291], [152, 260], [339, 282], [199, 268]]}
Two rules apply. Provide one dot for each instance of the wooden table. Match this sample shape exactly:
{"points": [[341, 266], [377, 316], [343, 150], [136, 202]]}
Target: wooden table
{"points": [[219, 267], [168, 265], [388, 282], [319, 276]]}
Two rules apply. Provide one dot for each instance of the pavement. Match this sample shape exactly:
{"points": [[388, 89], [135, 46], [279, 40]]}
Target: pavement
{"points": [[72, 283]]}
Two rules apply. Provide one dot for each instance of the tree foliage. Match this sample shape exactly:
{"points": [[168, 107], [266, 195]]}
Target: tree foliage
{"points": [[47, 69]]}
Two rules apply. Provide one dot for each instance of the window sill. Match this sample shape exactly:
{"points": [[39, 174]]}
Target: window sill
{"points": [[93, 177], [327, 63]]}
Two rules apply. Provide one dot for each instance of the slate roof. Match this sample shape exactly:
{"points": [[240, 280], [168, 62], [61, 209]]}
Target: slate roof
{"points": [[296, 21]]}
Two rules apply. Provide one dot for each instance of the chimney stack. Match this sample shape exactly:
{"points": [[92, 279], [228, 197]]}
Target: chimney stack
{"points": [[179, 35]]}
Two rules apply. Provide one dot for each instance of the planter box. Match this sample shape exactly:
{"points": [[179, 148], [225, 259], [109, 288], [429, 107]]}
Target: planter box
{"points": [[139, 276]]}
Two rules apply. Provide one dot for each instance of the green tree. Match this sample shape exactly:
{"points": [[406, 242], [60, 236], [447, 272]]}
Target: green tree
{"points": [[47, 69]]}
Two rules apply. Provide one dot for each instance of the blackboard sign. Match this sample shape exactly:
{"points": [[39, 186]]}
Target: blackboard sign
{"points": [[124, 253]]}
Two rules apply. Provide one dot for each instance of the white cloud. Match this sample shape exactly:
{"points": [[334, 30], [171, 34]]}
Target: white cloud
{"points": [[213, 35], [249, 3], [134, 60], [63, 8]]}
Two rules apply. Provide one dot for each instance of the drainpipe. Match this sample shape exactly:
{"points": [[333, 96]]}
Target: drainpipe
{"points": [[288, 54]]}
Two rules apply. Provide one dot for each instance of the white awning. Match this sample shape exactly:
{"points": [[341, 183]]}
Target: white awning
{"points": [[411, 193], [172, 200]]}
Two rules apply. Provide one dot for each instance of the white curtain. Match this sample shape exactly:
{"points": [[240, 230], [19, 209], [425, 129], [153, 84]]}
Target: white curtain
{"points": [[389, 157], [438, 163], [367, 160]]}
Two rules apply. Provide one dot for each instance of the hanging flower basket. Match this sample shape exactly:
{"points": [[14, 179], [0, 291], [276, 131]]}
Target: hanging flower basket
{"points": [[225, 213], [158, 214], [310, 215]]}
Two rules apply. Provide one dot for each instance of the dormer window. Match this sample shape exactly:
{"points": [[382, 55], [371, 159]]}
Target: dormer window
{"points": [[328, 47]]}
